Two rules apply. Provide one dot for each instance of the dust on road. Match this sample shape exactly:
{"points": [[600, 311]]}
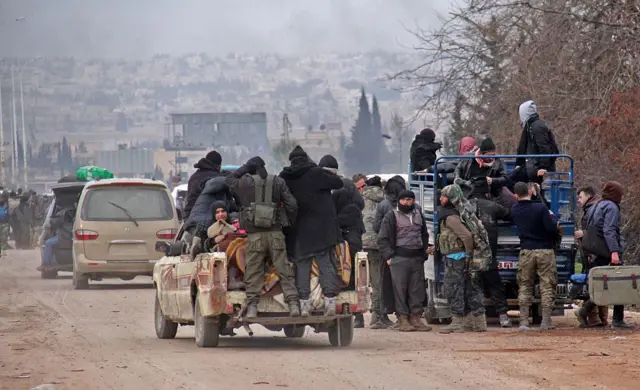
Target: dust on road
{"points": [[103, 338]]}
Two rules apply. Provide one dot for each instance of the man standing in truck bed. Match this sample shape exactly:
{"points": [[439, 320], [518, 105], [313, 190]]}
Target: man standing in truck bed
{"points": [[266, 207]]}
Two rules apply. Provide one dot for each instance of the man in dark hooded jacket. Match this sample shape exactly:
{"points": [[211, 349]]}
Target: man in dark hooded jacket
{"points": [[536, 138], [208, 168], [316, 232], [423, 150], [330, 163], [214, 190]]}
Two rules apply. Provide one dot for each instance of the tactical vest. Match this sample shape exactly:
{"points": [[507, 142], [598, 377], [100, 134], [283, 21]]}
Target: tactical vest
{"points": [[409, 230], [262, 212], [448, 241]]}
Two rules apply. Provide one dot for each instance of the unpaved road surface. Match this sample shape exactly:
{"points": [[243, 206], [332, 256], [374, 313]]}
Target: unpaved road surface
{"points": [[103, 338]]}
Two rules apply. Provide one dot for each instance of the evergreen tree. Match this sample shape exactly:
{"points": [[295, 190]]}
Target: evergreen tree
{"points": [[61, 157], [376, 135], [363, 153]]}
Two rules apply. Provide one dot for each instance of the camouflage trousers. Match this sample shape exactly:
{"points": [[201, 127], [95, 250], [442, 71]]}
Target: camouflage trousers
{"points": [[4, 236], [262, 246], [540, 262], [462, 288]]}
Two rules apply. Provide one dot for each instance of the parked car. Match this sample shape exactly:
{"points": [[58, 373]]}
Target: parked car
{"points": [[116, 228]]}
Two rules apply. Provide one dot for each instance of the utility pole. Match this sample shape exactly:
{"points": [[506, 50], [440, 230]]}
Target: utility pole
{"points": [[24, 139], [14, 159], [3, 172], [286, 128]]}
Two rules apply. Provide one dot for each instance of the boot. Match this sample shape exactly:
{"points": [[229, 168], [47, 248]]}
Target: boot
{"points": [[455, 326], [524, 318], [358, 321], [294, 309], [467, 323], [386, 321], [404, 325], [603, 313], [329, 306], [252, 311], [374, 319], [479, 323], [621, 325], [593, 317], [505, 321], [305, 307], [378, 325], [546, 323], [416, 321], [582, 314], [395, 325]]}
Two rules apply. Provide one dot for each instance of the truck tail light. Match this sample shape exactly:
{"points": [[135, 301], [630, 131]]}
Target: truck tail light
{"points": [[86, 235]]}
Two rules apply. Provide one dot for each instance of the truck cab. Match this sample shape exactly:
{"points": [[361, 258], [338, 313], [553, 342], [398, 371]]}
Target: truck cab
{"points": [[560, 192]]}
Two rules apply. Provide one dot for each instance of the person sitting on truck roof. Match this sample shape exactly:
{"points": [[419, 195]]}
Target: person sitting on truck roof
{"points": [[538, 232], [423, 150], [483, 176], [403, 241]]}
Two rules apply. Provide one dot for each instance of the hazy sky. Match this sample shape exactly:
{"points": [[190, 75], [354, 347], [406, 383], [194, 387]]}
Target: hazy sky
{"points": [[141, 28]]}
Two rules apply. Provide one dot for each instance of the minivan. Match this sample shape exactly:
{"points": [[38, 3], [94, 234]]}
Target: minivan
{"points": [[117, 225]]}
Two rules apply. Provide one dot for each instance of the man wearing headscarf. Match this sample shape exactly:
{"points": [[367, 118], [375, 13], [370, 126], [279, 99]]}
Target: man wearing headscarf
{"points": [[536, 138], [423, 150], [403, 241], [605, 217], [267, 207], [464, 245], [467, 145], [207, 168]]}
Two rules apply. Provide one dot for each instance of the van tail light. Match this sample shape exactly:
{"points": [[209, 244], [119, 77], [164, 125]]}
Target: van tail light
{"points": [[166, 234], [86, 235]]}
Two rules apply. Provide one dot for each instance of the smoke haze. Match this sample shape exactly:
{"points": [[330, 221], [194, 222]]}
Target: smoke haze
{"points": [[142, 28]]}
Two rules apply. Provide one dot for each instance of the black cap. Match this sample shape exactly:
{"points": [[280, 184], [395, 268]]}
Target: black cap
{"points": [[404, 194], [297, 152], [487, 145], [214, 157], [428, 135], [328, 161]]}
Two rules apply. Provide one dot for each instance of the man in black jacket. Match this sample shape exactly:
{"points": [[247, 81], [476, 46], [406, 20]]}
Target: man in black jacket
{"points": [[536, 138], [403, 242], [315, 233], [263, 220], [208, 168], [423, 150], [483, 176]]}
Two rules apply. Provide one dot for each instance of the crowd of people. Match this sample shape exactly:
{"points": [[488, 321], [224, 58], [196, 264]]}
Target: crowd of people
{"points": [[21, 217], [301, 215]]}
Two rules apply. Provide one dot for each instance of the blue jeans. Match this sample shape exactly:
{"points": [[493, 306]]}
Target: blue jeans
{"points": [[48, 257]]}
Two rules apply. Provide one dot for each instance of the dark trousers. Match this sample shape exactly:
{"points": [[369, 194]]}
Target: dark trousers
{"points": [[375, 277], [493, 288], [408, 285], [462, 290], [260, 247], [327, 266]]}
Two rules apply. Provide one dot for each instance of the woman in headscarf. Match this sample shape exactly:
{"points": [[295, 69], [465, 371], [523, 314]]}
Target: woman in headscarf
{"points": [[463, 244]]}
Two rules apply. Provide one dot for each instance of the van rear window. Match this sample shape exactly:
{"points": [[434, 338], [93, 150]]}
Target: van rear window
{"points": [[115, 203]]}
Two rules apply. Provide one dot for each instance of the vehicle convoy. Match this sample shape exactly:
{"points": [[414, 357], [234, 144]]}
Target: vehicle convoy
{"points": [[200, 290], [116, 228], [559, 191]]}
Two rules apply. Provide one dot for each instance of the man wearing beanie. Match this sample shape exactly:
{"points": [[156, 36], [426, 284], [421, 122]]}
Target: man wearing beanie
{"points": [[483, 176], [315, 233], [403, 242], [266, 207], [423, 150], [208, 168]]}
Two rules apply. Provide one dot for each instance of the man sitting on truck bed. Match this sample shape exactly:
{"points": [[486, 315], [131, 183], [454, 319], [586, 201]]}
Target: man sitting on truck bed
{"points": [[483, 176]]}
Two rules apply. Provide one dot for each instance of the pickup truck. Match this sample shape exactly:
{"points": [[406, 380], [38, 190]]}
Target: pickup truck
{"points": [[560, 191], [195, 291]]}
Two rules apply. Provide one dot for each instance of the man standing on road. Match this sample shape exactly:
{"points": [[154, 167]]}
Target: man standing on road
{"points": [[316, 232], [589, 314], [5, 215], [208, 168], [538, 230], [403, 241], [267, 207], [605, 217], [464, 243]]}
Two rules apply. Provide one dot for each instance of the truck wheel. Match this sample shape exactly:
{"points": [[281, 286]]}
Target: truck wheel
{"points": [[341, 332], [445, 321], [49, 274], [80, 282], [165, 329], [294, 331], [207, 329]]}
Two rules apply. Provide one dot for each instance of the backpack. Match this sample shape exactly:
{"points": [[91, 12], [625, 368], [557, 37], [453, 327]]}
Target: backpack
{"points": [[261, 213]]}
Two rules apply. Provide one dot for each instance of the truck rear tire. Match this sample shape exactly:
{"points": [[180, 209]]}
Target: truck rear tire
{"points": [[341, 332], [294, 331], [207, 329], [165, 329]]}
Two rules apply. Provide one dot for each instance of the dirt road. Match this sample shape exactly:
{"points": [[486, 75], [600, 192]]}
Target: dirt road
{"points": [[104, 338]]}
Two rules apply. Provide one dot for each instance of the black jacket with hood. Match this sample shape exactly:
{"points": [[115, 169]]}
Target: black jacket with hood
{"points": [[536, 138], [214, 190], [392, 190], [349, 219], [207, 169], [316, 229], [423, 150]]}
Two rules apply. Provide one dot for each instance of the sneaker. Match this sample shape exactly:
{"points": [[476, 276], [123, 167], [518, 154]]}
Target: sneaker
{"points": [[505, 321]]}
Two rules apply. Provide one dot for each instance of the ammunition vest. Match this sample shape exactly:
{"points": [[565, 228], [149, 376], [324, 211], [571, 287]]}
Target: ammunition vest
{"points": [[262, 212]]}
